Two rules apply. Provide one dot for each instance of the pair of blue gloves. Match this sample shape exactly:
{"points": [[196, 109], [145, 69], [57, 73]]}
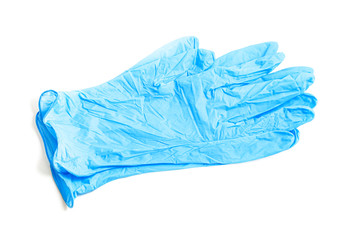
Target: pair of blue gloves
{"points": [[177, 108]]}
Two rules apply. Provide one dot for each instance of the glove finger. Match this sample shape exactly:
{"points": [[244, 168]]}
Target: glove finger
{"points": [[171, 49], [247, 72], [239, 103], [292, 71], [287, 117], [305, 99], [235, 78], [247, 54]]}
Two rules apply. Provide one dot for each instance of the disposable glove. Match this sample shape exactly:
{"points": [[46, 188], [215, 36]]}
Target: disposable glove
{"points": [[233, 112]]}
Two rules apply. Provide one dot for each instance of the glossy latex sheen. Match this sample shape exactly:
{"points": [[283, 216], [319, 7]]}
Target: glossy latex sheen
{"points": [[178, 108]]}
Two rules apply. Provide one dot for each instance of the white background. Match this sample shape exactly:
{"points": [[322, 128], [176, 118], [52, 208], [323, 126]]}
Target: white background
{"points": [[311, 191]]}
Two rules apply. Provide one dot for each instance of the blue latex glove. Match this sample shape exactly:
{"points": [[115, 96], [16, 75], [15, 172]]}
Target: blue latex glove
{"points": [[170, 117]]}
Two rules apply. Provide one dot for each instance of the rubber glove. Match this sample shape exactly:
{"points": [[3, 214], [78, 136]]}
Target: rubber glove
{"points": [[237, 70]]}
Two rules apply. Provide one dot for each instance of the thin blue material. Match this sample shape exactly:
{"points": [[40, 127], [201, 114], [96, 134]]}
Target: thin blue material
{"points": [[178, 108]]}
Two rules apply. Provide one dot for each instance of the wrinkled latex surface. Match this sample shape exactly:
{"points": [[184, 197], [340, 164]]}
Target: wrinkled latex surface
{"points": [[178, 108]]}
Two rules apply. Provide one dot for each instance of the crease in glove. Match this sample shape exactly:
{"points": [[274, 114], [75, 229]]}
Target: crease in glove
{"points": [[177, 108]]}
